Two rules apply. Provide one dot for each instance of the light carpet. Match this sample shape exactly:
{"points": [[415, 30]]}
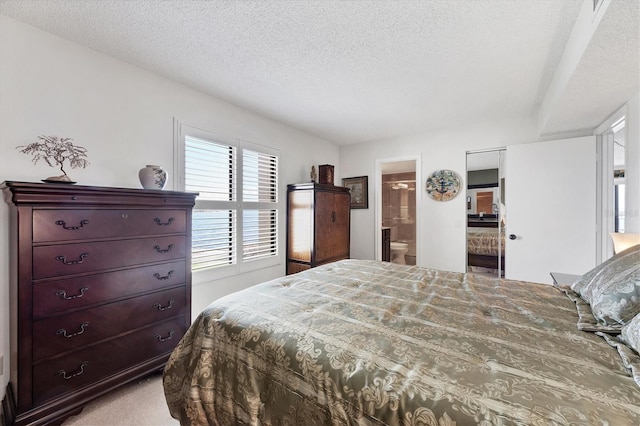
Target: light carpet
{"points": [[137, 403]]}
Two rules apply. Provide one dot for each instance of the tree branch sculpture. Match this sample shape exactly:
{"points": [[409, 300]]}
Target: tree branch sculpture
{"points": [[56, 151]]}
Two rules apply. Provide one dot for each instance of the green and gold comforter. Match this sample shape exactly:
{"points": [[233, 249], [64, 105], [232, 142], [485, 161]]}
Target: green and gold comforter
{"points": [[371, 343]]}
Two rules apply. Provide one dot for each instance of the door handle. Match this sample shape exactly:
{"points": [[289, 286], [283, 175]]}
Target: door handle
{"points": [[512, 236]]}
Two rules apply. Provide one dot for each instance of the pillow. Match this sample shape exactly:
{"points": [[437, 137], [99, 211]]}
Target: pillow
{"points": [[612, 289], [627, 343], [586, 320], [630, 334]]}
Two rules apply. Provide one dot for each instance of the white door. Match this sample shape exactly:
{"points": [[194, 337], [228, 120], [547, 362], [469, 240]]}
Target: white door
{"points": [[550, 199]]}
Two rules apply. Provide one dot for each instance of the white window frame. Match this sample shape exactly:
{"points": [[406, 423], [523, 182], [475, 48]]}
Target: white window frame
{"points": [[181, 130], [605, 183]]}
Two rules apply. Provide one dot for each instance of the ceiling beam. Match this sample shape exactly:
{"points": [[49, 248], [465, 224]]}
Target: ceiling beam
{"points": [[583, 30]]}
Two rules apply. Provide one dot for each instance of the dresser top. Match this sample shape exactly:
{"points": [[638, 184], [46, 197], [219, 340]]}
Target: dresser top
{"points": [[35, 193]]}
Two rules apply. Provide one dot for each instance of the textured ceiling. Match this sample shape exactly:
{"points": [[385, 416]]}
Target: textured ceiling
{"points": [[359, 70], [608, 71]]}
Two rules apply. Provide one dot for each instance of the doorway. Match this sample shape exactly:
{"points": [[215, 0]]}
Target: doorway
{"points": [[485, 212], [397, 209]]}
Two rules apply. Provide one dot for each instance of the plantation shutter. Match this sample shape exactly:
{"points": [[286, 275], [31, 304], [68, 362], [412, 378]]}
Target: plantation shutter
{"points": [[235, 219], [210, 169], [260, 197]]}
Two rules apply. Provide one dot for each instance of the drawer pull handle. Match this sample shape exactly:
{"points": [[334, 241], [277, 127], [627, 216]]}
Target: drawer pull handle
{"points": [[63, 259], [164, 308], [64, 375], [62, 223], [63, 294], [164, 339], [161, 223], [166, 277], [63, 332], [167, 250]]}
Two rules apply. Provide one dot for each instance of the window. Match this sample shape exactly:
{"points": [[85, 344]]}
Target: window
{"points": [[618, 129], [235, 219], [610, 189]]}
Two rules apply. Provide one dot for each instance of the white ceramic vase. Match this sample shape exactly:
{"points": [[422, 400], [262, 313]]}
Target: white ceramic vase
{"points": [[153, 177]]}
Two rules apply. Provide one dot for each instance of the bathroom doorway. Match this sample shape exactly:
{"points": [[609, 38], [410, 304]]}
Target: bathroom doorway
{"points": [[397, 216]]}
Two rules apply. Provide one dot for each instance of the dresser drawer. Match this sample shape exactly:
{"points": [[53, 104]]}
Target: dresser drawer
{"points": [[94, 363], [65, 225], [70, 331], [66, 259], [75, 293]]}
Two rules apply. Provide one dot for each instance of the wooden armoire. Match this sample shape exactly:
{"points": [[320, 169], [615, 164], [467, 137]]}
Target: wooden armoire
{"points": [[318, 225], [100, 292]]}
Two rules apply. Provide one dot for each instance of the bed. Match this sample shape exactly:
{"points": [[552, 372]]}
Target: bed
{"points": [[485, 244], [360, 342]]}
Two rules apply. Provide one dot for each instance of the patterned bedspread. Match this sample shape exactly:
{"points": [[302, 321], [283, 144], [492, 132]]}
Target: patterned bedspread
{"points": [[484, 241], [370, 343]]}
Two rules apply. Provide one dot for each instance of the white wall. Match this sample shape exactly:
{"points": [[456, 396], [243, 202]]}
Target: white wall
{"points": [[442, 228], [441, 235], [124, 117]]}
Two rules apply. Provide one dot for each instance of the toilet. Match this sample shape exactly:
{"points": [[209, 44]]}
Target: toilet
{"points": [[398, 250]]}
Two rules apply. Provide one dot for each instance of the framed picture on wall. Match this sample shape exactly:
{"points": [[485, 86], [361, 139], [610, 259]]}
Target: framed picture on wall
{"points": [[359, 187]]}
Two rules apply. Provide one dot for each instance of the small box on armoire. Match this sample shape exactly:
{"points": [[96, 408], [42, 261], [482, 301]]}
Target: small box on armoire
{"points": [[325, 174]]}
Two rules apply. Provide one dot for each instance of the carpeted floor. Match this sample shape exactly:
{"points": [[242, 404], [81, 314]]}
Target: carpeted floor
{"points": [[139, 403]]}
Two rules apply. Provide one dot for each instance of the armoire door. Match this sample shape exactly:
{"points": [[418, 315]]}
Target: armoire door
{"points": [[324, 213], [300, 225], [342, 208], [550, 208], [332, 225]]}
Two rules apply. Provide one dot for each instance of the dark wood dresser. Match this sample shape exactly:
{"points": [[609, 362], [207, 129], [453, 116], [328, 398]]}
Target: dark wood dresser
{"points": [[318, 225], [100, 291]]}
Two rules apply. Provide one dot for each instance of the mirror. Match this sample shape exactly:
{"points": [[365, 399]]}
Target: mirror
{"points": [[485, 213]]}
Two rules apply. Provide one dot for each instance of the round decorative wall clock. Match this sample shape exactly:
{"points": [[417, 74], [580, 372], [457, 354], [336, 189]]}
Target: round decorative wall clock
{"points": [[443, 185]]}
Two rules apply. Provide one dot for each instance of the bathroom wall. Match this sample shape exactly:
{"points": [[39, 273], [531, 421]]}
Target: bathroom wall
{"points": [[399, 210]]}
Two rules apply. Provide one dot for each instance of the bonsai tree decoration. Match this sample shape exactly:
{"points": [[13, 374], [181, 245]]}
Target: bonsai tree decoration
{"points": [[56, 151]]}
